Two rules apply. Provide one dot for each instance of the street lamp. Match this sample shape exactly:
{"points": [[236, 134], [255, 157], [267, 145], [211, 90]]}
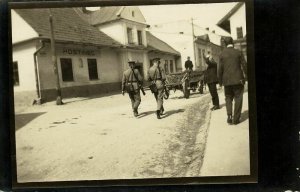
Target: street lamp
{"points": [[54, 61]]}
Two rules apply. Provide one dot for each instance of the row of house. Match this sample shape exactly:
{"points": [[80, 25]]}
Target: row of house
{"points": [[92, 48]]}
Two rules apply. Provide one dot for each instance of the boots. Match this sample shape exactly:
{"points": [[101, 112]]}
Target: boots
{"points": [[135, 113], [162, 110], [158, 114], [229, 119]]}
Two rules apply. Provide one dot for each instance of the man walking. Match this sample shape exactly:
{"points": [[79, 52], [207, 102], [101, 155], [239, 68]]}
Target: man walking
{"points": [[232, 74], [157, 76], [131, 84], [211, 78]]}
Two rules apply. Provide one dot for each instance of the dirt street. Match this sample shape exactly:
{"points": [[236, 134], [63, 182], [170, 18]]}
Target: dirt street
{"points": [[98, 138]]}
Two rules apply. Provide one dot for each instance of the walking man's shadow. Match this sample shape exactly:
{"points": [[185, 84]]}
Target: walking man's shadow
{"points": [[166, 114], [244, 116]]}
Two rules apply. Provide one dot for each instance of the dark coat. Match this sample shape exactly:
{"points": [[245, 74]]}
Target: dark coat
{"points": [[211, 73], [232, 68], [188, 65]]}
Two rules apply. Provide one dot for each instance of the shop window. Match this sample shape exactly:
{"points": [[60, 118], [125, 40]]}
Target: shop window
{"points": [[16, 73], [171, 66], [66, 69], [239, 32], [93, 69], [140, 37], [130, 35]]}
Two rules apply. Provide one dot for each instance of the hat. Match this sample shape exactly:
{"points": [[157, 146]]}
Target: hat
{"points": [[228, 41], [131, 62]]}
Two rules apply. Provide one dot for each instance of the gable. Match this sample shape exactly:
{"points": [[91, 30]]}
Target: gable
{"points": [[18, 23], [132, 13]]}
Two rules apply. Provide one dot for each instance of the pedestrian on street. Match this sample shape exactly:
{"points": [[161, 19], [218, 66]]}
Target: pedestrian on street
{"points": [[131, 83], [157, 77], [232, 74], [188, 64], [211, 78]]}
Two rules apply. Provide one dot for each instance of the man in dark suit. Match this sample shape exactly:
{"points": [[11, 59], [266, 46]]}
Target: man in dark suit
{"points": [[130, 80], [188, 64], [211, 78], [232, 74], [157, 76]]}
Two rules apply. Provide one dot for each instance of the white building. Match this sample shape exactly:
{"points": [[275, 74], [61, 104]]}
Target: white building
{"points": [[234, 22], [90, 58], [180, 36]]}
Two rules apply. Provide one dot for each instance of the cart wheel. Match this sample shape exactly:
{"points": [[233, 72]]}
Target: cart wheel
{"points": [[186, 91]]}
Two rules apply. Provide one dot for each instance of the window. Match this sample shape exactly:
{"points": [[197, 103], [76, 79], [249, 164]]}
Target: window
{"points": [[16, 74], [132, 13], [200, 57], [166, 66], [93, 69], [171, 66], [66, 69], [239, 32], [140, 37], [129, 35]]}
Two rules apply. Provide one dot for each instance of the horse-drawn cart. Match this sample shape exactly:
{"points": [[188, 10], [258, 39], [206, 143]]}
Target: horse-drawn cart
{"points": [[186, 81]]}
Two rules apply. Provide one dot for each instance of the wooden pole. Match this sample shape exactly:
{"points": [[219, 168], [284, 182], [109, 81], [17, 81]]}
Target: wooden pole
{"points": [[194, 48], [54, 62]]}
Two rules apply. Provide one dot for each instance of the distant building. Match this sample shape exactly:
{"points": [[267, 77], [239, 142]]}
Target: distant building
{"points": [[180, 36], [234, 22], [92, 50]]}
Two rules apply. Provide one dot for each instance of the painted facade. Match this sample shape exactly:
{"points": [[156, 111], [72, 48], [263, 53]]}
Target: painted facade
{"points": [[84, 68]]}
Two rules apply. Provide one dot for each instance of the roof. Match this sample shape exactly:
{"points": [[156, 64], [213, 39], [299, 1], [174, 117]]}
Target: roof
{"points": [[231, 12], [155, 43], [104, 15], [68, 26]]}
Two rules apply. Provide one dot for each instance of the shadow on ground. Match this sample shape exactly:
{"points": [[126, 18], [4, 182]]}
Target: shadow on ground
{"points": [[244, 116], [22, 119]]}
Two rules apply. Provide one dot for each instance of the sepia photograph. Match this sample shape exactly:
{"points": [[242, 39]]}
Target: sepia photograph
{"points": [[131, 92]]}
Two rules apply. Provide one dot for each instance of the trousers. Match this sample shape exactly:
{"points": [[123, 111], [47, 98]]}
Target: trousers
{"points": [[135, 98], [159, 96], [234, 92], [212, 87]]}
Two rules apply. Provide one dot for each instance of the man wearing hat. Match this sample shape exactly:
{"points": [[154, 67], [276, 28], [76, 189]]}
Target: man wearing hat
{"points": [[211, 78], [232, 74], [130, 80], [157, 76]]}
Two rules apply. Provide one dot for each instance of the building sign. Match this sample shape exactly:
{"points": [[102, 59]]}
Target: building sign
{"points": [[70, 51]]}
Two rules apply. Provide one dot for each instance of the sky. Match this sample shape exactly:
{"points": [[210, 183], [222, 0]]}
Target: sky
{"points": [[205, 15]]}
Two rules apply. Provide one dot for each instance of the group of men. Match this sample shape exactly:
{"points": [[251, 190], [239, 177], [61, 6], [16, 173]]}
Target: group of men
{"points": [[231, 73], [132, 83]]}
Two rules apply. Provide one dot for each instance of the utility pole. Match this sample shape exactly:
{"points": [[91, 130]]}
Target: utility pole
{"points": [[54, 62], [194, 48]]}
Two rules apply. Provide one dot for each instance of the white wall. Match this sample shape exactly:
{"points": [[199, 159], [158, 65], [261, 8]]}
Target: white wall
{"points": [[20, 29], [107, 66], [238, 20], [23, 54], [115, 30]]}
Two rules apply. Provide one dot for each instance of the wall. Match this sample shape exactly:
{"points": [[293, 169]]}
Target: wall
{"points": [[115, 30], [23, 54], [108, 66], [18, 23], [127, 14], [238, 20]]}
